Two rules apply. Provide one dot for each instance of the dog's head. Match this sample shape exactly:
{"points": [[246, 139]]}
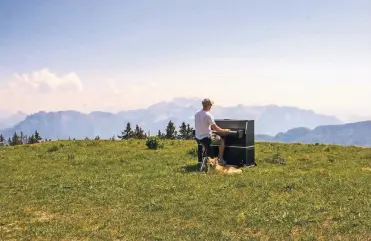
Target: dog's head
{"points": [[211, 162]]}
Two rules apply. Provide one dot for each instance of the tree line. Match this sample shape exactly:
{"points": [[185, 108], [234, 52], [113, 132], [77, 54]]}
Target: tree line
{"points": [[184, 132], [20, 139]]}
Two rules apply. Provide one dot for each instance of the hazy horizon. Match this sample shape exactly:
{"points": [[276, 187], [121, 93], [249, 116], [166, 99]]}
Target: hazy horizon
{"points": [[118, 55]]}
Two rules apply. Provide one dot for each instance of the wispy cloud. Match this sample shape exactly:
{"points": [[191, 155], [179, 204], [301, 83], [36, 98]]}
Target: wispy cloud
{"points": [[44, 81]]}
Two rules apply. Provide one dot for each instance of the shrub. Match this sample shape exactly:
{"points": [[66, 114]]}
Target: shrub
{"points": [[193, 152], [276, 159], [154, 143], [53, 148]]}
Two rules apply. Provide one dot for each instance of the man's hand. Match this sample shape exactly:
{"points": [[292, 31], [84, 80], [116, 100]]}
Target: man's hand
{"points": [[217, 128]]}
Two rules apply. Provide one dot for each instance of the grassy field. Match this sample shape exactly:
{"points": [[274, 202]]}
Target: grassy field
{"points": [[119, 190]]}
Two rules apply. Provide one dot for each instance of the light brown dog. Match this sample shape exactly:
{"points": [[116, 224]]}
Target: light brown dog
{"points": [[213, 166]]}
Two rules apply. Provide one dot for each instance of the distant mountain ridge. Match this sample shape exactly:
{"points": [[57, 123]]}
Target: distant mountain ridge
{"points": [[269, 120], [8, 120], [358, 133]]}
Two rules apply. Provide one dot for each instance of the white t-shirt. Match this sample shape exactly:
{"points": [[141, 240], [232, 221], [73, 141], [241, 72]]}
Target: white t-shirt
{"points": [[203, 120]]}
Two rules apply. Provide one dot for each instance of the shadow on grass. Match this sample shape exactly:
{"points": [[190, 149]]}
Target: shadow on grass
{"points": [[191, 168]]}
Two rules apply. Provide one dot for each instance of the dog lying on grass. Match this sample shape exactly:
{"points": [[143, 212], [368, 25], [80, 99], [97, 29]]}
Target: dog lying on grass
{"points": [[213, 167]]}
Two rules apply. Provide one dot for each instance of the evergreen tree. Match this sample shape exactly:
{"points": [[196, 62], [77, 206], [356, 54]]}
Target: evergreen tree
{"points": [[37, 136], [183, 131], [160, 134], [22, 138], [128, 133], [170, 131], [189, 132], [139, 132], [2, 139], [9, 141], [16, 140], [34, 138], [31, 139]]}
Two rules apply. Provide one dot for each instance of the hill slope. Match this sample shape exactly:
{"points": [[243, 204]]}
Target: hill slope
{"points": [[120, 190], [64, 124], [358, 133]]}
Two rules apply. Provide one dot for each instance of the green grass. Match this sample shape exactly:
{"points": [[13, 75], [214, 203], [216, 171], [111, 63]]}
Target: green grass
{"points": [[107, 190]]}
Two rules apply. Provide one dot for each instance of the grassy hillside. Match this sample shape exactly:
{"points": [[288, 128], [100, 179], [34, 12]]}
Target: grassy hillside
{"points": [[106, 190]]}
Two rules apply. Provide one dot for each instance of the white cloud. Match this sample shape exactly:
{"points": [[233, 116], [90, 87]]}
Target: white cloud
{"points": [[333, 88], [44, 81], [42, 90]]}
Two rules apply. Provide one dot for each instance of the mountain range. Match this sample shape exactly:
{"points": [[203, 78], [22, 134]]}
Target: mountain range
{"points": [[269, 120], [358, 133], [272, 122], [8, 119]]}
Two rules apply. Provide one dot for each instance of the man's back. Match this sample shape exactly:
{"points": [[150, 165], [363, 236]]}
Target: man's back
{"points": [[203, 120]]}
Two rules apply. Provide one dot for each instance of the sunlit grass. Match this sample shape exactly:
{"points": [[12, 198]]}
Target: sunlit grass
{"points": [[106, 190]]}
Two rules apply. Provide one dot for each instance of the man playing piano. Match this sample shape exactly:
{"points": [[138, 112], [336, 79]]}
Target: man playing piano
{"points": [[204, 122]]}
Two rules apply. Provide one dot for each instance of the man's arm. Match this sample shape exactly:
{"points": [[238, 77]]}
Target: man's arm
{"points": [[214, 126], [217, 128]]}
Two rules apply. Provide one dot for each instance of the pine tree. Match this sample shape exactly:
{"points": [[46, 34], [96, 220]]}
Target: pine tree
{"points": [[34, 138], [170, 131], [37, 136], [139, 132], [160, 134], [16, 140], [128, 133], [2, 139], [22, 138], [183, 131], [189, 132], [31, 139]]}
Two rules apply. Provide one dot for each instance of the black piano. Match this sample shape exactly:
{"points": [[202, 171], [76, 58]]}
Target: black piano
{"points": [[239, 142]]}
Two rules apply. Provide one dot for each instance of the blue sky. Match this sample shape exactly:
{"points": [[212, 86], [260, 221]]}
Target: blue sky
{"points": [[114, 55]]}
